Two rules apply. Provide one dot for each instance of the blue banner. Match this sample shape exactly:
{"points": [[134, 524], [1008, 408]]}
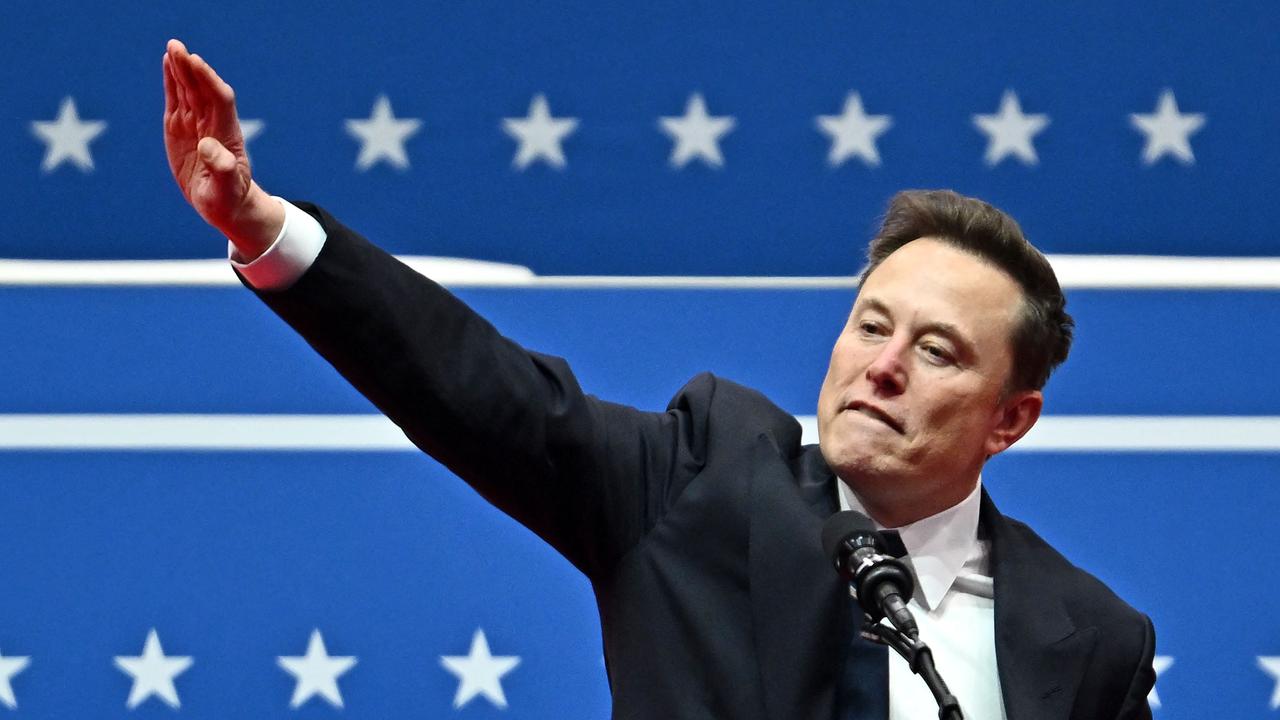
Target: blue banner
{"points": [[675, 138], [178, 538]]}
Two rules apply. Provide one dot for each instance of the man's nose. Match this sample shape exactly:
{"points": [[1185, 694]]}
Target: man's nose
{"points": [[888, 371]]}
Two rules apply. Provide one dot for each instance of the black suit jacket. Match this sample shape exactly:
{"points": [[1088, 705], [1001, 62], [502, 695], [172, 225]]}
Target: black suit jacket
{"points": [[698, 527]]}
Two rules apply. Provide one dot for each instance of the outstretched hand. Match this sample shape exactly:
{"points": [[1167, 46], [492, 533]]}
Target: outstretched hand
{"points": [[206, 152]]}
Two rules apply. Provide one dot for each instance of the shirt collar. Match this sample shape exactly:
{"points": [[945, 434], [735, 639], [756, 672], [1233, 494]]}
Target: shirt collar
{"points": [[937, 546]]}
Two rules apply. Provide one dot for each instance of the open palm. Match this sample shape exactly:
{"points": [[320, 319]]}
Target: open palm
{"points": [[202, 137]]}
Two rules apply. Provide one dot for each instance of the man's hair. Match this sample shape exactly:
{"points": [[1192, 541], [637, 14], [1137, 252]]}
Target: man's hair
{"points": [[1042, 337]]}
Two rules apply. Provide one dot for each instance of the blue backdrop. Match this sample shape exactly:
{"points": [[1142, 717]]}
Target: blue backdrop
{"points": [[234, 557], [776, 206]]}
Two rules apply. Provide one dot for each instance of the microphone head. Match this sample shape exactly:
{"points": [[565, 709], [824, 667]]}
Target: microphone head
{"points": [[843, 526]]}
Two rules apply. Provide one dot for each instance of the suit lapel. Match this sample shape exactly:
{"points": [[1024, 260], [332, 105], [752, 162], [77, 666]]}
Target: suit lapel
{"points": [[799, 605], [1040, 653], [801, 612]]}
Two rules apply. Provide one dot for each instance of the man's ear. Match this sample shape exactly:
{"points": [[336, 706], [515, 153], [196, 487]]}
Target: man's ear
{"points": [[1014, 417]]}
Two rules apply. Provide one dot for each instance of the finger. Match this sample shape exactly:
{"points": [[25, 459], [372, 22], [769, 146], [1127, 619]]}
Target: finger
{"points": [[173, 84], [179, 87], [170, 91], [220, 101], [199, 90], [179, 83], [178, 61], [186, 80], [212, 87], [222, 87]]}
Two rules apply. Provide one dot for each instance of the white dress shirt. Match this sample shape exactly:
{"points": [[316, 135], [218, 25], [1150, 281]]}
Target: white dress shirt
{"points": [[953, 601], [288, 257], [953, 605]]}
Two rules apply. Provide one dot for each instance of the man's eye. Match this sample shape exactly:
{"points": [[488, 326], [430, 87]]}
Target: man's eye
{"points": [[869, 328], [937, 353]]}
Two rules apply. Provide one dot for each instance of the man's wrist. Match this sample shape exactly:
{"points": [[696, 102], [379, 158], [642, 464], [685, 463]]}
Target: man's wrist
{"points": [[258, 225], [288, 256]]}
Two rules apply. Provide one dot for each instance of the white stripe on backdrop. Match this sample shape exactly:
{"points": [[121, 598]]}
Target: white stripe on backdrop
{"points": [[1111, 272], [373, 433]]}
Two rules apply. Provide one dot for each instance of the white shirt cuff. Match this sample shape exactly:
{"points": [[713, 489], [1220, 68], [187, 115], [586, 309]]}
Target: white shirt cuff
{"points": [[289, 255]]}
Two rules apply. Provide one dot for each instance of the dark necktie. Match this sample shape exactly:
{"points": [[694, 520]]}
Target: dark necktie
{"points": [[864, 685]]}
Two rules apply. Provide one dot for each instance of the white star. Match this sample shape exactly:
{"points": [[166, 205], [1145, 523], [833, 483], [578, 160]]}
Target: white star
{"points": [[68, 137], [1159, 663], [316, 672], [382, 136], [539, 134], [250, 129], [153, 673], [10, 666], [1271, 666], [1168, 131], [479, 673], [1009, 132], [854, 133], [696, 133]]}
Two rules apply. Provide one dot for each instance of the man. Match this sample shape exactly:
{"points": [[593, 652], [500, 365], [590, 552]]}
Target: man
{"points": [[699, 527]]}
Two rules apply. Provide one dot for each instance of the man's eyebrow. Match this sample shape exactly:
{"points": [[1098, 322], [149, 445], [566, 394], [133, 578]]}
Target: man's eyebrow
{"points": [[876, 304], [941, 327]]}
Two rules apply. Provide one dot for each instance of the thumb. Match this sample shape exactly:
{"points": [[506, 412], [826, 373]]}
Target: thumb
{"points": [[216, 156]]}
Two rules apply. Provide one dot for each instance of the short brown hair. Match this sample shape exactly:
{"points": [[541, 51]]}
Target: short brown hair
{"points": [[1042, 338]]}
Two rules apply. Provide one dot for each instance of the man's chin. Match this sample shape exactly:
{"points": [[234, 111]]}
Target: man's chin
{"points": [[859, 465]]}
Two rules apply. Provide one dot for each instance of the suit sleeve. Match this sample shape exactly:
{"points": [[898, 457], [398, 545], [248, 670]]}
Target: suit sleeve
{"points": [[1135, 705], [588, 476]]}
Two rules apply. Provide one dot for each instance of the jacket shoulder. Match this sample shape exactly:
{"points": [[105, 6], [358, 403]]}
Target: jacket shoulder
{"points": [[727, 410], [1088, 600]]}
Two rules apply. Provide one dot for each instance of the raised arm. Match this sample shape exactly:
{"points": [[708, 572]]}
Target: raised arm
{"points": [[207, 153], [590, 477]]}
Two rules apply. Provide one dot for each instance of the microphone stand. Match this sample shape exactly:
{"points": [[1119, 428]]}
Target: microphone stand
{"points": [[920, 659]]}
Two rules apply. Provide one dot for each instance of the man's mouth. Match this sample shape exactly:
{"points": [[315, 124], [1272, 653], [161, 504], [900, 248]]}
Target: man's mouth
{"points": [[874, 412]]}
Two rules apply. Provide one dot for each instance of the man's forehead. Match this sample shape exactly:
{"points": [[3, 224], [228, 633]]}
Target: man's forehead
{"points": [[949, 284]]}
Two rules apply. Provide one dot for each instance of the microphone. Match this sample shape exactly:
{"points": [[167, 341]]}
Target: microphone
{"points": [[881, 584]]}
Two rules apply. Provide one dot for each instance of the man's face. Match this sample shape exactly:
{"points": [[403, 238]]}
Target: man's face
{"points": [[913, 402]]}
